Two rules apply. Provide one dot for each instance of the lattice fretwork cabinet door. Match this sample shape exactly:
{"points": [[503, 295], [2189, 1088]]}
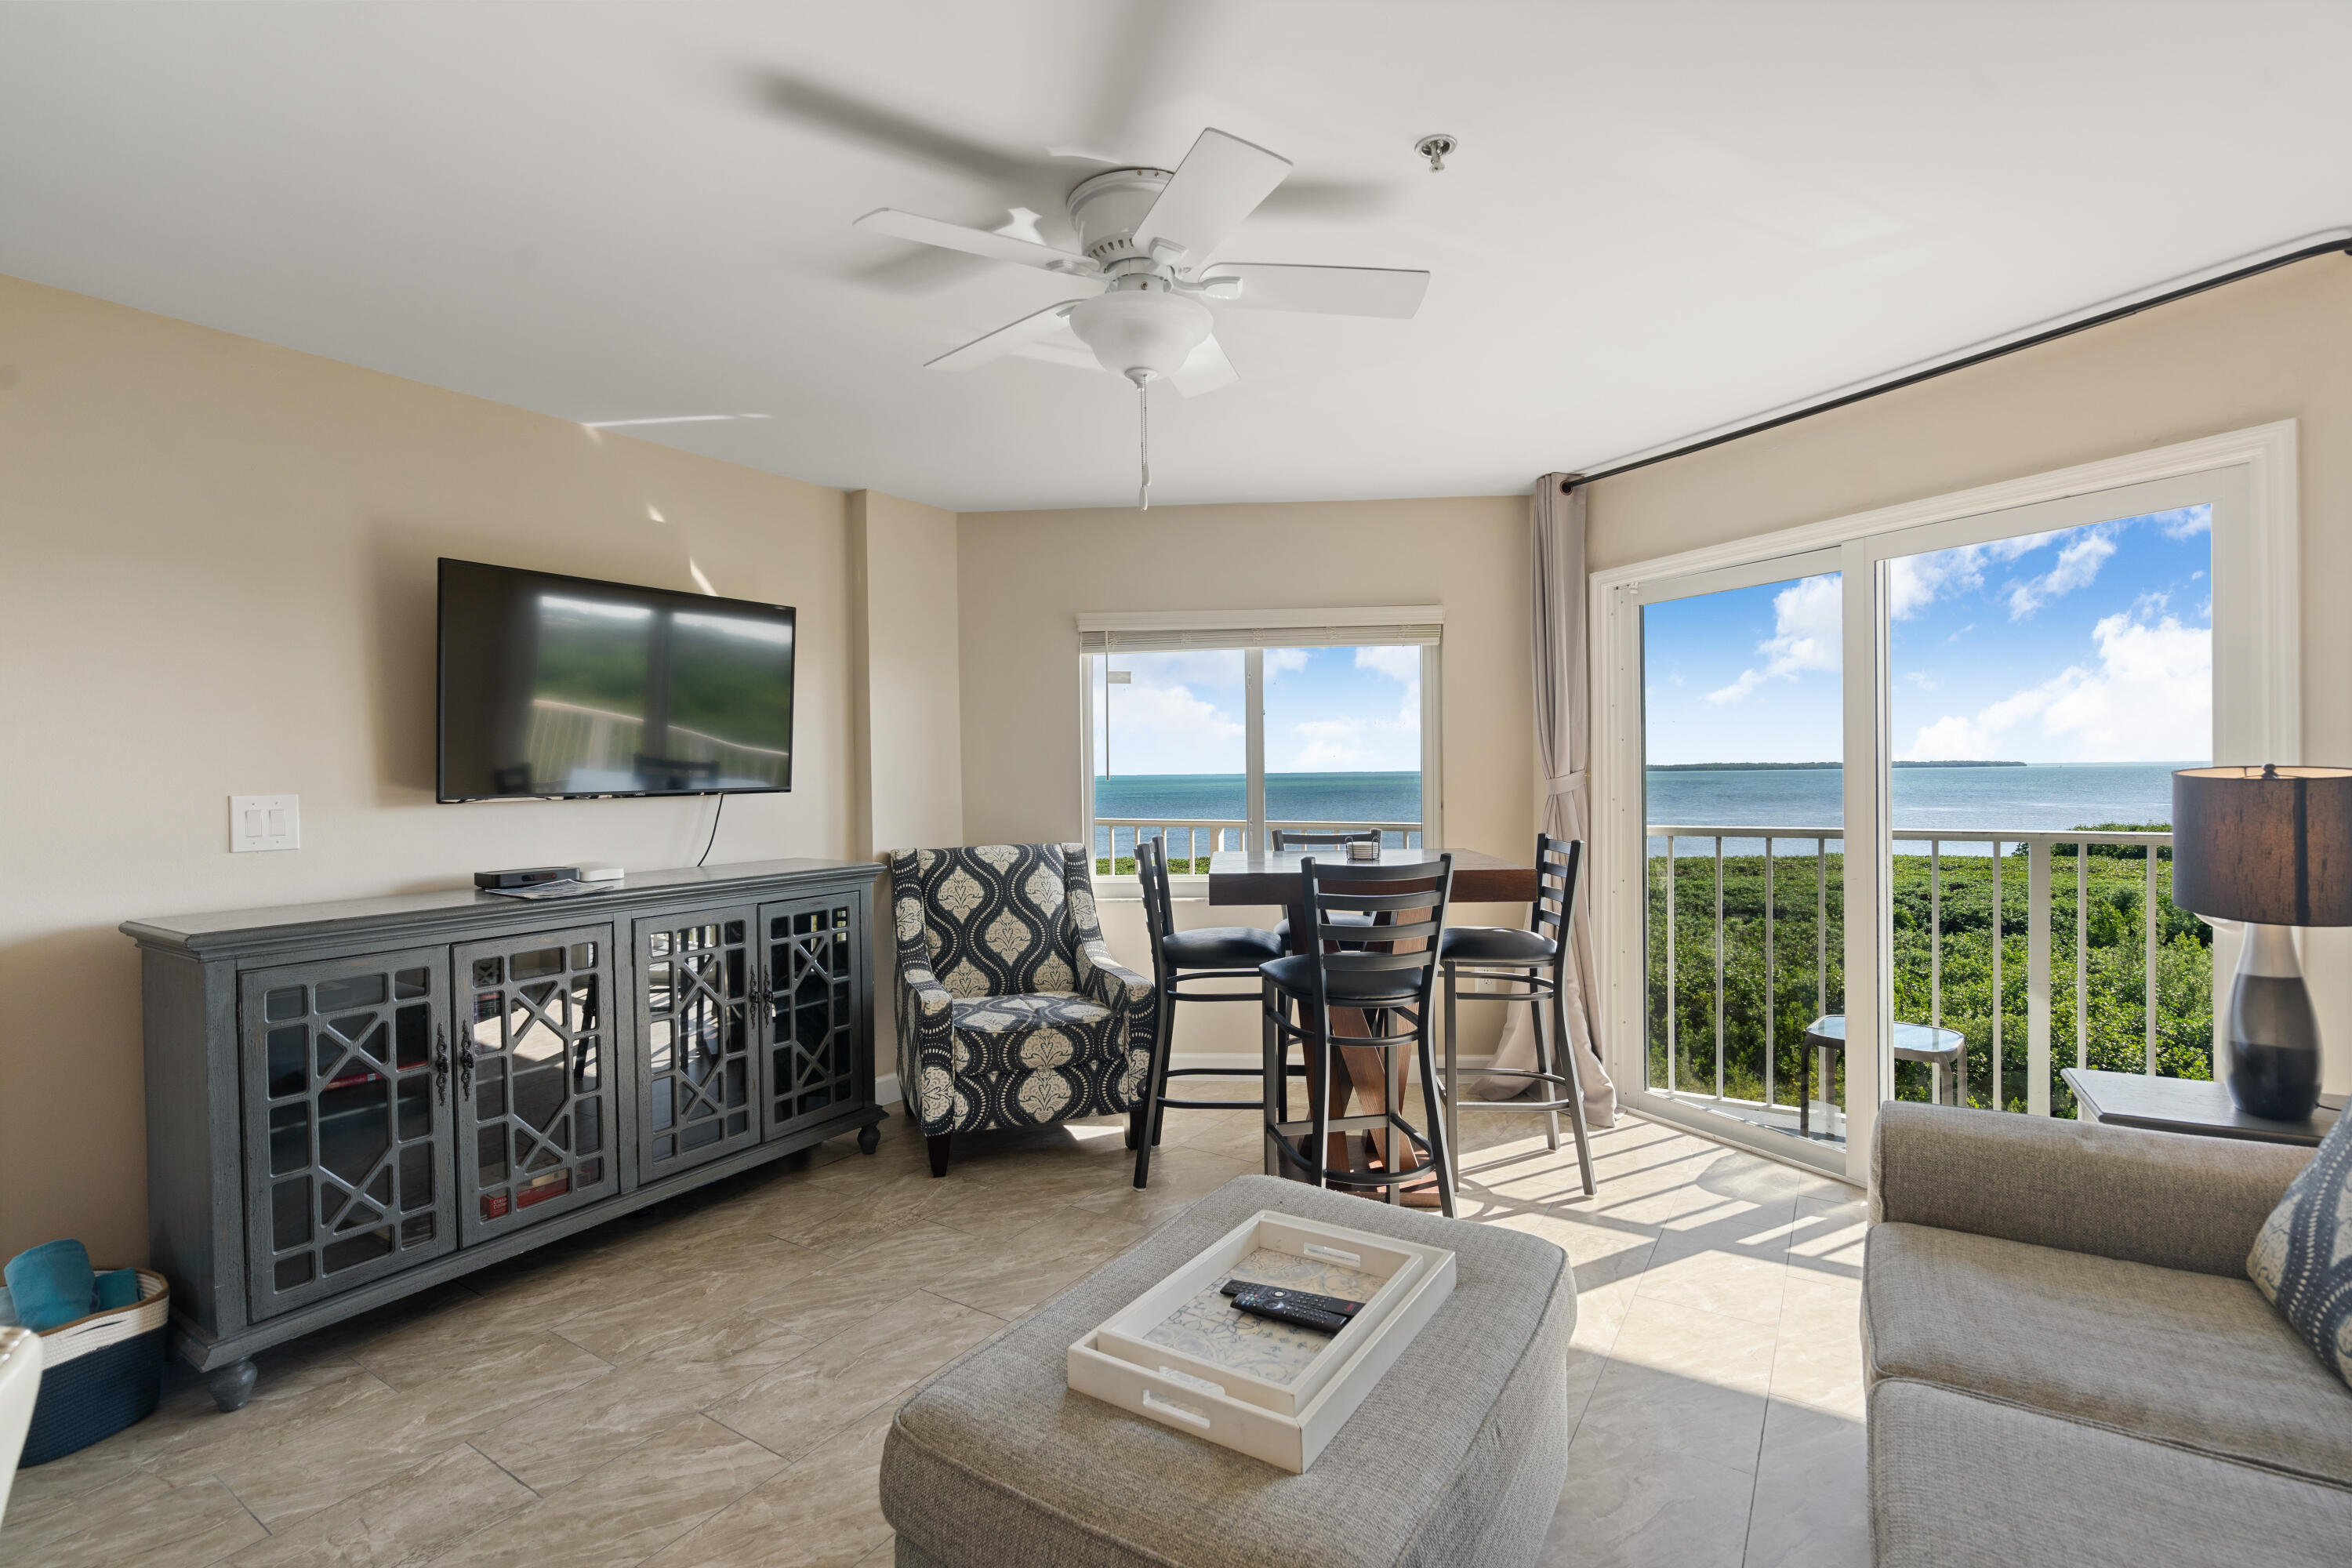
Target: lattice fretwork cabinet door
{"points": [[814, 1004], [699, 1079], [534, 1077], [347, 1122]]}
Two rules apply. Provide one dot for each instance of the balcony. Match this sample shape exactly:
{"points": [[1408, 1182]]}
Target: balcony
{"points": [[1746, 945], [1201, 836]]}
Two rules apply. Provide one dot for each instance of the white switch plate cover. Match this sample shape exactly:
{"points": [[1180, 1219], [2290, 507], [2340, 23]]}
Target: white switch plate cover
{"points": [[264, 822]]}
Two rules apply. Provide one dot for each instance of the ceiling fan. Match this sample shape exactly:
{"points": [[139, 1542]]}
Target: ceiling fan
{"points": [[1145, 236]]}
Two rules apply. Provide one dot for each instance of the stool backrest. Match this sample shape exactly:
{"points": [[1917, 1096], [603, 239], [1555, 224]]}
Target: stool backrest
{"points": [[1412, 897], [1297, 838], [1557, 862], [1158, 912]]}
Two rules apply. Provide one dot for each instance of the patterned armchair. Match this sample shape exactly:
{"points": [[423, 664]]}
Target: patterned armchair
{"points": [[1011, 1012]]}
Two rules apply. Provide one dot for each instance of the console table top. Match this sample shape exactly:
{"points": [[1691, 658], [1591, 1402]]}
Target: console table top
{"points": [[226, 928]]}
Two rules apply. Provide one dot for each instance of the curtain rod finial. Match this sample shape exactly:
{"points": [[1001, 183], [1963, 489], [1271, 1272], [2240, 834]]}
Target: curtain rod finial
{"points": [[1569, 481]]}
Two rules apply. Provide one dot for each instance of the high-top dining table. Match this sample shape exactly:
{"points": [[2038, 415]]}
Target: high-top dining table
{"points": [[1263, 877]]}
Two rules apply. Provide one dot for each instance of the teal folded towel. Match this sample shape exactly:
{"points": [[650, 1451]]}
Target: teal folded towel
{"points": [[51, 1284], [116, 1287]]}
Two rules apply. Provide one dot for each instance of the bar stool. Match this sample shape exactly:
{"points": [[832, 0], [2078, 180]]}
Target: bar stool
{"points": [[1535, 963], [1295, 838], [1216, 952], [1392, 988]]}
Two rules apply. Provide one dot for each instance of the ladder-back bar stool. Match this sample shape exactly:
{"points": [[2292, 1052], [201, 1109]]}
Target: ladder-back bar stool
{"points": [[1284, 839], [1535, 961], [1187, 957], [1394, 990]]}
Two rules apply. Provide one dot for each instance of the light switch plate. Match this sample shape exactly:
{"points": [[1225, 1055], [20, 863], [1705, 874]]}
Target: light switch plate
{"points": [[264, 822]]}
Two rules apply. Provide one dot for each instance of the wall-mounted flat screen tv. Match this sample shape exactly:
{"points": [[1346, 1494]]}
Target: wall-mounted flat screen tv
{"points": [[557, 687]]}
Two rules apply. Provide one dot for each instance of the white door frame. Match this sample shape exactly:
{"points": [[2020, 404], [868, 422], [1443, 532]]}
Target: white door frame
{"points": [[2257, 706]]}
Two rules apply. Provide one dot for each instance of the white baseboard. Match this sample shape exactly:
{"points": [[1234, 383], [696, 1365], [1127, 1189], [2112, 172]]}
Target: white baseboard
{"points": [[885, 1089]]}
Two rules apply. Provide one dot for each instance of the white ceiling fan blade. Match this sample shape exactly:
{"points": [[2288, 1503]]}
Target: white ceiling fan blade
{"points": [[971, 241], [1205, 369], [1221, 182], [1005, 340], [1325, 291]]}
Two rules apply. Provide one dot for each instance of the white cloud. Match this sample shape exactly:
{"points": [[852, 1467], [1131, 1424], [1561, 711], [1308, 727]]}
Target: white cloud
{"points": [[1807, 632], [1395, 662], [1281, 660], [1162, 724], [2151, 700], [1913, 581], [2078, 564], [1191, 667], [2185, 523]]}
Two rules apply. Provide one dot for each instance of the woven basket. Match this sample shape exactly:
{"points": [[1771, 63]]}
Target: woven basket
{"points": [[100, 1373]]}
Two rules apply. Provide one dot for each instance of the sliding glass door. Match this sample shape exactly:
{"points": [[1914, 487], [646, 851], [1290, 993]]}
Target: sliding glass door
{"points": [[1902, 807]]}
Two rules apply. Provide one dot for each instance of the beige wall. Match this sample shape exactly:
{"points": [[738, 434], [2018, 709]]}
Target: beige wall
{"points": [[904, 556], [2274, 347], [1026, 575], [219, 578]]}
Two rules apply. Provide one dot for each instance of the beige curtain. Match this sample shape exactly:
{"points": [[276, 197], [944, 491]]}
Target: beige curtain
{"points": [[1563, 745]]}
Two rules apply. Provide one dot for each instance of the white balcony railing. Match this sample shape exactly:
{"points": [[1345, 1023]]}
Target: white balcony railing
{"points": [[1194, 839], [1974, 848]]}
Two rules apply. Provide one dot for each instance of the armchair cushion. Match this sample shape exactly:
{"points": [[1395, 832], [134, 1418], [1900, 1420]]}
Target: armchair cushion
{"points": [[1025, 1034]]}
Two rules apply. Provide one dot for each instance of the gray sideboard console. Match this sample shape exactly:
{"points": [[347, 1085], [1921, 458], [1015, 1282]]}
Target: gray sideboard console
{"points": [[348, 1102]]}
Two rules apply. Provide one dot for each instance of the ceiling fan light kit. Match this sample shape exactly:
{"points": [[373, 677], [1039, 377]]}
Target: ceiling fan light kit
{"points": [[1144, 236]]}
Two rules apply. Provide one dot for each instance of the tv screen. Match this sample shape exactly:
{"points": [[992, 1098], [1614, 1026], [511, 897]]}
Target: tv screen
{"points": [[559, 686]]}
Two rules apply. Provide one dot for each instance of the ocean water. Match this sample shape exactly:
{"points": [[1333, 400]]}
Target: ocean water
{"points": [[2039, 797]]}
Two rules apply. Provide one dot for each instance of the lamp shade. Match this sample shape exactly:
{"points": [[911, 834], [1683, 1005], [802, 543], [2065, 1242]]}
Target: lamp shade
{"points": [[2269, 845]]}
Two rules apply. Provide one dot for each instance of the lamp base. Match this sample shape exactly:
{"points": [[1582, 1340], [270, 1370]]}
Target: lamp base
{"points": [[2274, 1033]]}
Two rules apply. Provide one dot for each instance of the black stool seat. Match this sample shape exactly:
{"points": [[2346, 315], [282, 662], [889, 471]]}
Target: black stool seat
{"points": [[1353, 987], [1494, 944], [1220, 947]]}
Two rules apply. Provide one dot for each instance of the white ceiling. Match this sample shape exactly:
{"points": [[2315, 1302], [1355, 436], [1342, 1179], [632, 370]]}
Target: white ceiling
{"points": [[1663, 217]]}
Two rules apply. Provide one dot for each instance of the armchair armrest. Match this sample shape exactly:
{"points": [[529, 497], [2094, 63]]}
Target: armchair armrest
{"points": [[2166, 1198], [926, 1043], [1107, 982]]}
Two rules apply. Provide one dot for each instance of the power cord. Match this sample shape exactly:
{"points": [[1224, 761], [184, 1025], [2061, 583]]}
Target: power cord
{"points": [[714, 830]]}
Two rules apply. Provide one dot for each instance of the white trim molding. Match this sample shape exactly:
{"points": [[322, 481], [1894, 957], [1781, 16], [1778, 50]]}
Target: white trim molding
{"points": [[2249, 474]]}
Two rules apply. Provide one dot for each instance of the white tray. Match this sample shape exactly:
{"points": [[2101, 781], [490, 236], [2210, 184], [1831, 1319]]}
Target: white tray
{"points": [[1276, 1393]]}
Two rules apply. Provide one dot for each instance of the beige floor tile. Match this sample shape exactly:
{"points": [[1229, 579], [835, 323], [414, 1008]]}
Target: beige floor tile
{"points": [[1180, 1177], [628, 1509], [800, 1404], [1812, 1508], [403, 1522], [852, 1290], [1684, 1382], [138, 1520], [1817, 1361], [562, 1438], [1718, 1271], [1038, 1262], [1631, 1508], [824, 1512], [319, 1466]]}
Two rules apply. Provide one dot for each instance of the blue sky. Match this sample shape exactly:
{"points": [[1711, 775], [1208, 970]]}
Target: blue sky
{"points": [[1327, 710], [2088, 645]]}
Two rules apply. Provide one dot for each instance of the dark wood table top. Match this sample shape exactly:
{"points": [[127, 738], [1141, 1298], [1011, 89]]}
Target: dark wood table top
{"points": [[1264, 876], [2185, 1105]]}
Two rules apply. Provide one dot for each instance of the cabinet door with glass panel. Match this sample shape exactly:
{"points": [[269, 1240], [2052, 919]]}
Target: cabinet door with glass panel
{"points": [[347, 1122], [699, 1072], [534, 1077], [814, 1024]]}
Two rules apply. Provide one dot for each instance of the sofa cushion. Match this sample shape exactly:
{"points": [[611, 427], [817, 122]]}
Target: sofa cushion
{"points": [[1955, 1479], [2195, 1360], [2302, 1259], [1455, 1459]]}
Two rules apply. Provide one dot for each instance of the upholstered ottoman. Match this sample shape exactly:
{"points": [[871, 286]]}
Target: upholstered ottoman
{"points": [[1456, 1458]]}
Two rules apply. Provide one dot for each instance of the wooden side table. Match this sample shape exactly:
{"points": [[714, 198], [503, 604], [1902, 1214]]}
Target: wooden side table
{"points": [[2186, 1105]]}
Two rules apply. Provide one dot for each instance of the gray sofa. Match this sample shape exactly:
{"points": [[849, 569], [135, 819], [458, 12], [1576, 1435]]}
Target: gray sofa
{"points": [[2067, 1363]]}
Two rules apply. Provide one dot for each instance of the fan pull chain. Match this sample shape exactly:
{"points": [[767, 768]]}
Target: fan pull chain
{"points": [[1143, 403]]}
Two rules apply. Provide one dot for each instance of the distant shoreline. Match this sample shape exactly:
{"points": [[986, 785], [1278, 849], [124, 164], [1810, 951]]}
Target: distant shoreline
{"points": [[1792, 767]]}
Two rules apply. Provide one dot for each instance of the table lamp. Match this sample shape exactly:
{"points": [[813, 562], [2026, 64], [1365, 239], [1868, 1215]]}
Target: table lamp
{"points": [[2271, 847]]}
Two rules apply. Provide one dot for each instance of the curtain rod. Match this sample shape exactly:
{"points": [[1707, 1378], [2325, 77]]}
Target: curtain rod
{"points": [[2337, 244]]}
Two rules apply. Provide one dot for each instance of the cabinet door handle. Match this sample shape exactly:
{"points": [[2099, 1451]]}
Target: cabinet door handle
{"points": [[441, 1063], [465, 1069]]}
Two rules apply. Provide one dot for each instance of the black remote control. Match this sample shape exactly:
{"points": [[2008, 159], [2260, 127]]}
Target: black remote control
{"points": [[1284, 1310], [1300, 1298]]}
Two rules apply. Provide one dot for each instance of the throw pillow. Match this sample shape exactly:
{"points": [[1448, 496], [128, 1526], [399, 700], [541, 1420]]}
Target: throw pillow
{"points": [[2302, 1258]]}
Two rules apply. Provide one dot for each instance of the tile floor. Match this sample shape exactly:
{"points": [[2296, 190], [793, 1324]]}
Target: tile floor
{"points": [[709, 1383]]}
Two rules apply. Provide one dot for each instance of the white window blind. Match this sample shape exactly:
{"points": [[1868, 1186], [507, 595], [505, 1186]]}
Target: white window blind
{"points": [[1147, 631]]}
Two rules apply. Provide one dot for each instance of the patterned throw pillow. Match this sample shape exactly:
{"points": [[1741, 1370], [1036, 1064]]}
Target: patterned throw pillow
{"points": [[2302, 1259]]}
